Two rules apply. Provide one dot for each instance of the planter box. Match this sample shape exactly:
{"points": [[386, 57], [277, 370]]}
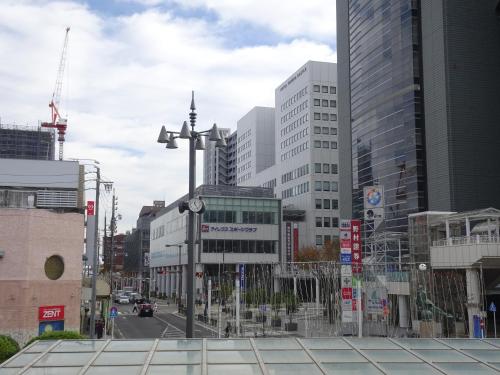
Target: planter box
{"points": [[276, 322], [261, 319], [247, 315], [291, 326]]}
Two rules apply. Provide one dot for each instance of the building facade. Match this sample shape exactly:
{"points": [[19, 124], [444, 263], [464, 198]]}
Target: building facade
{"points": [[240, 226], [219, 163], [25, 142], [418, 82]]}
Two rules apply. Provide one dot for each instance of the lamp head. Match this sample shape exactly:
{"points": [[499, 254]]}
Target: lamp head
{"points": [[172, 143], [185, 133], [200, 145], [163, 137], [214, 134]]}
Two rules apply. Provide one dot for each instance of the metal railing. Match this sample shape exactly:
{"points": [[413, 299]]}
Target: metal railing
{"points": [[464, 240]]}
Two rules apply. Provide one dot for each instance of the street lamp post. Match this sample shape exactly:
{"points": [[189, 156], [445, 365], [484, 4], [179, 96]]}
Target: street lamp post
{"points": [[195, 143]]}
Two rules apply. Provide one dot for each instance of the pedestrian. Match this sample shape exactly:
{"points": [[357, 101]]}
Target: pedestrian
{"points": [[155, 307], [135, 307], [228, 329], [99, 328]]}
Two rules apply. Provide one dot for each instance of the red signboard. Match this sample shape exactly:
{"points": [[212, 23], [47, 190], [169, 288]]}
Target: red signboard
{"points": [[90, 208], [295, 242], [356, 246], [288, 241], [50, 313], [346, 293]]}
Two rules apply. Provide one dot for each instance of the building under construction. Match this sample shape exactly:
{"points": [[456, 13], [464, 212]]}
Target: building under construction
{"points": [[26, 142]]}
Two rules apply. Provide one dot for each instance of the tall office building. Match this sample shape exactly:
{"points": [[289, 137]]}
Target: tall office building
{"points": [[26, 142], [255, 143], [219, 164], [418, 105]]}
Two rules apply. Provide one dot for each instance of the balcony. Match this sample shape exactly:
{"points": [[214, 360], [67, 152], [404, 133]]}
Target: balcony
{"points": [[466, 252]]}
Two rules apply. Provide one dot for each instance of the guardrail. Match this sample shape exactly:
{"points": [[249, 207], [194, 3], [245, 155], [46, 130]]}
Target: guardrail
{"points": [[477, 239]]}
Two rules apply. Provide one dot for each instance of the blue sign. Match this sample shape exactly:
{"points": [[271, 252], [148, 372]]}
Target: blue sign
{"points": [[493, 308], [50, 326], [113, 312], [345, 258], [242, 277], [263, 308]]}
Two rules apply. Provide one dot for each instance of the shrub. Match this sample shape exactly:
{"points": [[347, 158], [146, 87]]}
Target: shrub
{"points": [[8, 347], [58, 335]]}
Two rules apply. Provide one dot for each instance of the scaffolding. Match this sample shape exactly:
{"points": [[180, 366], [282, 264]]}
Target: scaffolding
{"points": [[26, 142]]}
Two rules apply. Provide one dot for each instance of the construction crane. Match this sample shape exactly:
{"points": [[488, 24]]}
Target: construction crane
{"points": [[57, 121]]}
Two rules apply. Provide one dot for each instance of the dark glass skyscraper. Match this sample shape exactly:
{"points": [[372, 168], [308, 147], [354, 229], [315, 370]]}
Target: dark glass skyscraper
{"points": [[405, 66]]}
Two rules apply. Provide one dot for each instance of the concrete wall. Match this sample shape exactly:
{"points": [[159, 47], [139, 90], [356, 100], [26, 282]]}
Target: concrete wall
{"points": [[28, 237]]}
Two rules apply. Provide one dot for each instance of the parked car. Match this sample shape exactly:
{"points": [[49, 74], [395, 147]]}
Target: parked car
{"points": [[123, 299], [116, 295], [134, 297], [145, 309]]}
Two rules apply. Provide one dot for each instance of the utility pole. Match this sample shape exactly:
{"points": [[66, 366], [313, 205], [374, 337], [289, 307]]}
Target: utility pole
{"points": [[112, 253], [95, 258]]}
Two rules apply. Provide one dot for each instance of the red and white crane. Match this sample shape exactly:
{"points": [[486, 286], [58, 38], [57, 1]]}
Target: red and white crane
{"points": [[57, 121]]}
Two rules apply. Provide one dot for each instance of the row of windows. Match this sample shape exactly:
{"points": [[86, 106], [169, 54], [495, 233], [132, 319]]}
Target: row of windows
{"points": [[296, 173], [294, 151], [245, 156], [324, 204], [295, 190], [295, 111], [325, 130], [323, 240], [325, 116], [327, 168], [324, 89], [326, 186], [239, 246], [239, 217], [294, 125], [327, 222], [245, 177], [325, 103], [158, 232], [270, 184], [294, 138], [244, 135], [245, 166], [244, 146], [325, 144], [294, 98]]}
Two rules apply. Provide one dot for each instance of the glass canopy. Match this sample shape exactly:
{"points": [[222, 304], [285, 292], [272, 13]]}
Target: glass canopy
{"points": [[248, 356]]}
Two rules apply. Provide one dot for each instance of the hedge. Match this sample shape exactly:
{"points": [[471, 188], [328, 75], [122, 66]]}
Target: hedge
{"points": [[8, 347], [58, 335]]}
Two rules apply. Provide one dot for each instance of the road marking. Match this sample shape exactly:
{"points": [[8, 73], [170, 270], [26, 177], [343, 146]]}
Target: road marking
{"points": [[173, 333]]}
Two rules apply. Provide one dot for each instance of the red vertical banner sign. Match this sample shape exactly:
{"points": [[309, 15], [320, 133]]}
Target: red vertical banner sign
{"points": [[357, 264], [288, 241], [295, 241], [90, 208]]}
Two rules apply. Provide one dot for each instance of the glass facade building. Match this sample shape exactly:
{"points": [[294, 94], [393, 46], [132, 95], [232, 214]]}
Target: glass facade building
{"points": [[386, 106]]}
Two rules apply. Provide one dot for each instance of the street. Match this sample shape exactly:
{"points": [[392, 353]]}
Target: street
{"points": [[164, 324]]}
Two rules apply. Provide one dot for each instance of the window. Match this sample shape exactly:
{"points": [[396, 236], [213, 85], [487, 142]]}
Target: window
{"points": [[319, 222], [317, 167], [333, 131], [333, 90], [326, 222], [333, 117], [326, 168], [319, 240], [316, 102], [317, 144], [325, 130], [324, 103], [326, 185], [328, 238], [335, 186], [324, 89], [324, 117], [326, 144], [335, 222], [335, 168], [318, 204], [317, 130], [326, 204], [335, 204], [316, 88], [333, 103], [333, 145], [317, 116], [317, 185]]}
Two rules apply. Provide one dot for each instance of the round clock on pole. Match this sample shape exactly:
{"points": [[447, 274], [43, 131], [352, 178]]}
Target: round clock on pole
{"points": [[196, 205]]}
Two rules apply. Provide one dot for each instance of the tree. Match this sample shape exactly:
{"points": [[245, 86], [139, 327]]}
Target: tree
{"points": [[308, 254], [330, 252]]}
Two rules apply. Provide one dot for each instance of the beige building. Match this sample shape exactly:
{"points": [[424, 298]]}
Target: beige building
{"points": [[40, 266]]}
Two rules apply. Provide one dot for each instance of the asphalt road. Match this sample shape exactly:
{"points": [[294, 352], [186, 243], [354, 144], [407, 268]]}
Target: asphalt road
{"points": [[162, 325]]}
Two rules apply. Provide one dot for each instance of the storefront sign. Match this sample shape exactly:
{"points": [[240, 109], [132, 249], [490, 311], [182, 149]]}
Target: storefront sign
{"points": [[295, 241], [90, 208], [205, 228], [288, 241], [50, 313]]}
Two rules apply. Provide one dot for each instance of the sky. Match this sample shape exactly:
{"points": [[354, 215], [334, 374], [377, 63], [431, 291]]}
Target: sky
{"points": [[131, 66]]}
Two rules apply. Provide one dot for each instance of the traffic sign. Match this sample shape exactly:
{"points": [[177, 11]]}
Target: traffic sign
{"points": [[493, 308], [113, 312]]}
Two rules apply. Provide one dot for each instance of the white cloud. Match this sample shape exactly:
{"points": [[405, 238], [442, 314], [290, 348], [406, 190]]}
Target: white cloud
{"points": [[129, 75]]}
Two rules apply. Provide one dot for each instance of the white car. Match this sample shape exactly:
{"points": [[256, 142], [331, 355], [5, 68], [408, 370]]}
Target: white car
{"points": [[123, 299]]}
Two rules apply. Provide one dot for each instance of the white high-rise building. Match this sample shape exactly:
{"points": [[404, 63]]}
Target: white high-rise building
{"points": [[255, 143], [219, 164], [306, 151]]}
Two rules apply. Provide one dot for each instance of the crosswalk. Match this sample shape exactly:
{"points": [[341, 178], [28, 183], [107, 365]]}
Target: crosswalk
{"points": [[172, 332]]}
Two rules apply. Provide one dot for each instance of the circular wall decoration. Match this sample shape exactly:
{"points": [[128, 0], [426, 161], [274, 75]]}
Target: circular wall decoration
{"points": [[54, 267]]}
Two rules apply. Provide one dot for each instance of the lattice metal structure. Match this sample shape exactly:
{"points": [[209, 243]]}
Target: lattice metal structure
{"points": [[26, 142]]}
